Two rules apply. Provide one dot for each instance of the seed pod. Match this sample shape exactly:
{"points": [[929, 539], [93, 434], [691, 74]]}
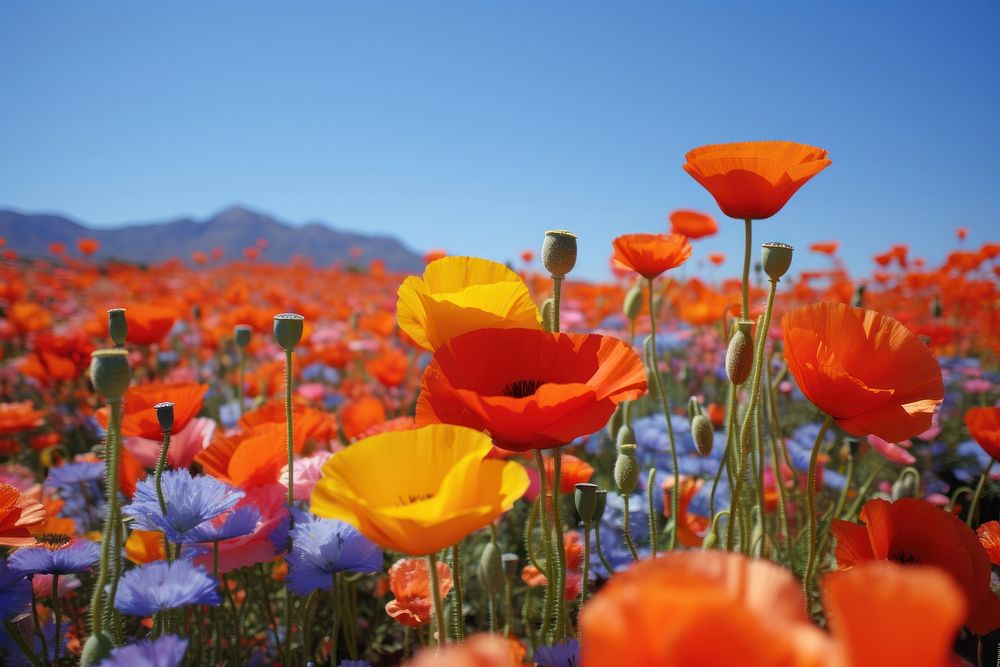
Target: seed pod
{"points": [[905, 486], [739, 355], [559, 252], [491, 568], [626, 469], [586, 501], [704, 436], [633, 301], [110, 372], [165, 415], [288, 330], [241, 332], [775, 258], [118, 326], [510, 562], [858, 300], [600, 504]]}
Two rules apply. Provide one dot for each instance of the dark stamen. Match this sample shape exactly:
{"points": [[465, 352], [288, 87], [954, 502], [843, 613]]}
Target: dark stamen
{"points": [[522, 388]]}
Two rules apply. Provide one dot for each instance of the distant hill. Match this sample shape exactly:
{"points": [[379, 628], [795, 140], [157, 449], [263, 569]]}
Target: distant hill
{"points": [[232, 230]]}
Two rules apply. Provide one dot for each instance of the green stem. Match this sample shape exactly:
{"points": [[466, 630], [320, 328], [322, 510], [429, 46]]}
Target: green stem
{"points": [[665, 406], [508, 596], [811, 514], [730, 407], [529, 528], [457, 615], [289, 444], [979, 493], [239, 390], [97, 615], [556, 298], [161, 463], [863, 492], [626, 531], [57, 615], [841, 501], [747, 225], [650, 486], [775, 458], [560, 546], [585, 580], [338, 614], [600, 551], [546, 542], [436, 596]]}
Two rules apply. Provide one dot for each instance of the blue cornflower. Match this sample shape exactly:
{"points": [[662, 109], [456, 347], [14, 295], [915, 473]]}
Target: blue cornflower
{"points": [[79, 485], [15, 592], [191, 501], [323, 547], [165, 651], [160, 585], [71, 558], [563, 654], [241, 521]]}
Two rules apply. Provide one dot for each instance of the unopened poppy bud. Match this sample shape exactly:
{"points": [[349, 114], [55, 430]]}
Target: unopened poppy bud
{"points": [[625, 436], [905, 486], [491, 568], [586, 501], [241, 332], [694, 408], [117, 326], [633, 302], [548, 314], [739, 355], [559, 252], [616, 421], [599, 505], [97, 647], [704, 436], [165, 415], [626, 469], [110, 372], [775, 258], [510, 562], [858, 300], [288, 330]]}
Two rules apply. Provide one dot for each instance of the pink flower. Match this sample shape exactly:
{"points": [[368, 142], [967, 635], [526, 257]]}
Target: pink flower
{"points": [[894, 452], [308, 470], [184, 446], [41, 584], [312, 391], [256, 547]]}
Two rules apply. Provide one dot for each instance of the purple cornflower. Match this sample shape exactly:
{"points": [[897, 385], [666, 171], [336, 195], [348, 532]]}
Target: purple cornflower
{"points": [[75, 556], [160, 585], [165, 651], [323, 547], [191, 501], [15, 591], [563, 654], [241, 521]]}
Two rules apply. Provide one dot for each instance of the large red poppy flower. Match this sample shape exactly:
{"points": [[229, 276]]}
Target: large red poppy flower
{"points": [[649, 255], [984, 427], [754, 179], [914, 532], [864, 369], [529, 389], [139, 413]]}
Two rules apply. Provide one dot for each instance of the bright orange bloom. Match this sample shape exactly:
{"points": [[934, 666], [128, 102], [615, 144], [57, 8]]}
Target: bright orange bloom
{"points": [[649, 255], [17, 417], [691, 527], [884, 614], [717, 258], [671, 611], [311, 424], [57, 248], [984, 427], [481, 650], [361, 414], [87, 246], [139, 415], [144, 546], [409, 580], [825, 247], [754, 179], [433, 254], [529, 389], [18, 515], [27, 317], [961, 233], [865, 369], [693, 224], [573, 471], [989, 537], [390, 367], [148, 324], [914, 532]]}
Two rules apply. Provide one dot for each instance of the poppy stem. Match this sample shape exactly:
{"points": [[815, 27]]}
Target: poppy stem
{"points": [[239, 389], [748, 234], [97, 612], [811, 513], [289, 443], [559, 547], [546, 542], [650, 486], [841, 501], [979, 493], [730, 407], [625, 528], [556, 298], [436, 597], [585, 580], [665, 406], [600, 551], [161, 463], [457, 615], [57, 615], [338, 613]]}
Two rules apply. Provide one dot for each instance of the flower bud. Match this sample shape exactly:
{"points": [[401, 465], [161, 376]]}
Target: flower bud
{"points": [[858, 300], [704, 436], [110, 372], [118, 326], [288, 330], [491, 568], [97, 647], [625, 436], [559, 252], [694, 408], [510, 562], [905, 486], [241, 332], [739, 355], [165, 415], [775, 258], [616, 421], [626, 469], [600, 504], [586, 501], [633, 301]]}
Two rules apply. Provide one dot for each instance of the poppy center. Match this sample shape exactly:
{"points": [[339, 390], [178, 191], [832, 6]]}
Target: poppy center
{"points": [[414, 498], [904, 558], [52, 540], [521, 388]]}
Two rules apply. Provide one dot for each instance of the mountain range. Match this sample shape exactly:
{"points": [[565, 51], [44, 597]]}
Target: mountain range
{"points": [[232, 230]]}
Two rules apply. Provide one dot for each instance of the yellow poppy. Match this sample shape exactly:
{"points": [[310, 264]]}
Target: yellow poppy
{"points": [[461, 294], [418, 491]]}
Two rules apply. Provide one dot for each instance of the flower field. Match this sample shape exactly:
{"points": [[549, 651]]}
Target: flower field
{"points": [[231, 461]]}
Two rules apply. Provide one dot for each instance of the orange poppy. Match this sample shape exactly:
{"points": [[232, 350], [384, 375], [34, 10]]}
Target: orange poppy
{"points": [[825, 247], [361, 414], [884, 614], [311, 424], [18, 515], [87, 246], [754, 179], [914, 532], [17, 417], [984, 427], [410, 583], [691, 527], [989, 537], [433, 254], [390, 367], [28, 317], [717, 258], [864, 369], [57, 248], [148, 324], [572, 471], [529, 389], [693, 224], [139, 413], [649, 255], [756, 605], [481, 650]]}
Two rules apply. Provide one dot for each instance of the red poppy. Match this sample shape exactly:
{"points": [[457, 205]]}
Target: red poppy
{"points": [[17, 417], [914, 532], [148, 324], [311, 424], [693, 224], [989, 537], [409, 580], [864, 369], [984, 427], [825, 247], [717, 258], [139, 413], [18, 514], [649, 255], [754, 179], [361, 414], [87, 246], [529, 389], [691, 527]]}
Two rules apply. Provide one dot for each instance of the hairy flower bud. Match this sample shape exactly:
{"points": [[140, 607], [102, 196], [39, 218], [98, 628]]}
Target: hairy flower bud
{"points": [[626, 469], [110, 372], [288, 330], [559, 252], [491, 568], [739, 355], [625, 436], [633, 301], [704, 436]]}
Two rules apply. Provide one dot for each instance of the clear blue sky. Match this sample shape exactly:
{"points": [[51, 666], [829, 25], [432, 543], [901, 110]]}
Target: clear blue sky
{"points": [[476, 125]]}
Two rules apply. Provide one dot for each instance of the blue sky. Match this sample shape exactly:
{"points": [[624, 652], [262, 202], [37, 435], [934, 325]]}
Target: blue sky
{"points": [[474, 125]]}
